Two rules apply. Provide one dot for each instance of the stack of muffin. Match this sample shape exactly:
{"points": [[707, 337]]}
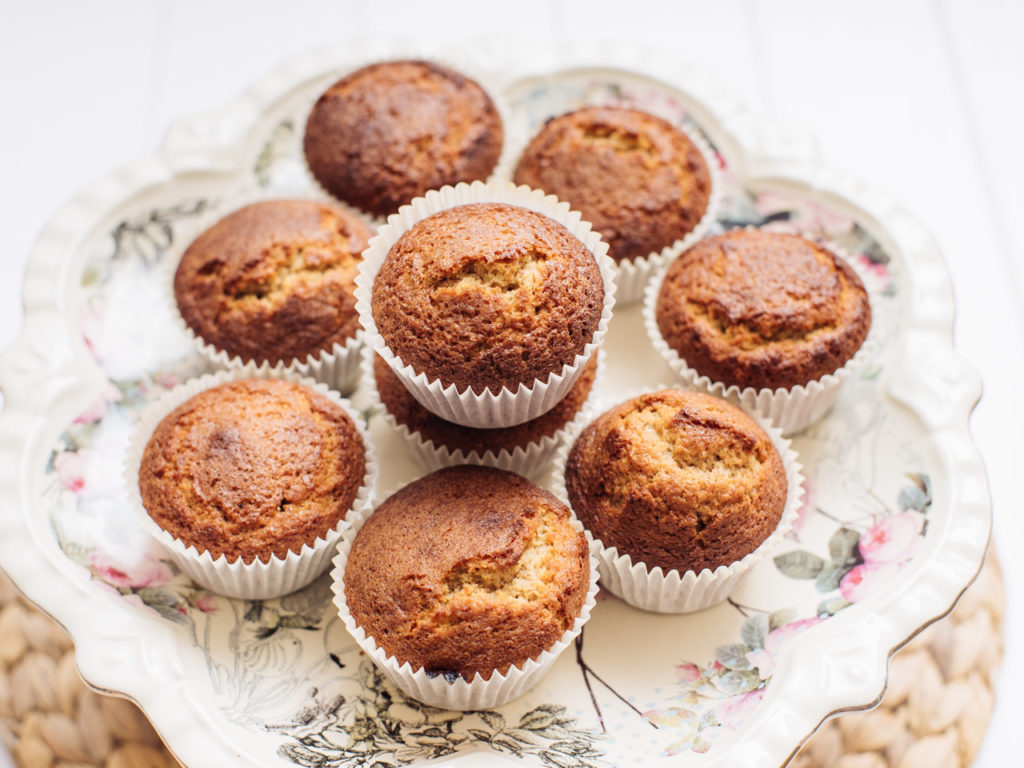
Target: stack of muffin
{"points": [[478, 310]]}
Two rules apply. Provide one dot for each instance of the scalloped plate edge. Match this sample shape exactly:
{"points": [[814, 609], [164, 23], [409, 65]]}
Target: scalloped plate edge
{"points": [[37, 375]]}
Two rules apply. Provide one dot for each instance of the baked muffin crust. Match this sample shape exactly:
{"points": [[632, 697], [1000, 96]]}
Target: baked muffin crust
{"points": [[274, 281], [677, 479], [387, 133], [408, 412], [252, 468], [639, 180], [487, 296], [762, 309], [467, 570]]}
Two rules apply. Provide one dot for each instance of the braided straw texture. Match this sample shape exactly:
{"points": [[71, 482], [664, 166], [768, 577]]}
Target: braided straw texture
{"points": [[48, 718], [934, 714], [940, 696]]}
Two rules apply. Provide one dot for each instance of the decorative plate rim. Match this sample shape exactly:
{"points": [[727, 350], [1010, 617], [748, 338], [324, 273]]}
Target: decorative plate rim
{"points": [[47, 374]]}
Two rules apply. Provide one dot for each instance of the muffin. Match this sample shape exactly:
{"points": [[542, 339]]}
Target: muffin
{"points": [[273, 281], [387, 133], [765, 310], [440, 443], [488, 296], [639, 180], [467, 573], [677, 480], [253, 469]]}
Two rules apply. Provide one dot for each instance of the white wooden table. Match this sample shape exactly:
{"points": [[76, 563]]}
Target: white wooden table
{"points": [[923, 99]]}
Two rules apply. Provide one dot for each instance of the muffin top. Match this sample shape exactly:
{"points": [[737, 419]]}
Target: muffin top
{"points": [[274, 281], [488, 296], [676, 479], [408, 412], [639, 180], [252, 468], [466, 571], [762, 309], [389, 132]]}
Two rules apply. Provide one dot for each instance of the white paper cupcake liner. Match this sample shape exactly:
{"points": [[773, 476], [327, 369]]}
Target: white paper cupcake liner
{"points": [[436, 690], [791, 409], [337, 367], [633, 275], [464, 67], [675, 592], [531, 460], [257, 580], [486, 409]]}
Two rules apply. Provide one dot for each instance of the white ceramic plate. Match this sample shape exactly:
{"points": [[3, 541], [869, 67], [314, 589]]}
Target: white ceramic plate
{"points": [[894, 529]]}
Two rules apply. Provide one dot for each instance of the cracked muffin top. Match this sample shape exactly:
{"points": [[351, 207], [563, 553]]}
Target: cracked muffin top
{"points": [[467, 571], [407, 411], [387, 133], [762, 309], [680, 480], [252, 468], [487, 296], [639, 180], [274, 281]]}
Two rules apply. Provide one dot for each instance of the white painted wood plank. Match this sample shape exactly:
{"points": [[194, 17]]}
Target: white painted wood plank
{"points": [[209, 70], [459, 21], [75, 83], [983, 44], [876, 83], [712, 35], [101, 81]]}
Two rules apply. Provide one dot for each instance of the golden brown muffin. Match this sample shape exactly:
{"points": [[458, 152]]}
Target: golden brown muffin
{"points": [[639, 180], [407, 411], [274, 281], [389, 132], [252, 468], [488, 296], [676, 479], [467, 571], [762, 309]]}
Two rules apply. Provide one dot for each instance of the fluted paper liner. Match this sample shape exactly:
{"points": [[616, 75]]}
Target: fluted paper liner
{"points": [[257, 580], [791, 409], [676, 592], [337, 367], [436, 690], [531, 460], [633, 275], [487, 409]]}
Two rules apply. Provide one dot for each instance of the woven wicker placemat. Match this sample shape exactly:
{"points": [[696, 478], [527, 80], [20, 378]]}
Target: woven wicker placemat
{"points": [[934, 714]]}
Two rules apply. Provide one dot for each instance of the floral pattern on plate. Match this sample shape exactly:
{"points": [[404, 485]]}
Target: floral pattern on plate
{"points": [[862, 555], [286, 670]]}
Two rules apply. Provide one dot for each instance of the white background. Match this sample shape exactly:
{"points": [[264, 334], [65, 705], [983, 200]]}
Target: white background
{"points": [[923, 99]]}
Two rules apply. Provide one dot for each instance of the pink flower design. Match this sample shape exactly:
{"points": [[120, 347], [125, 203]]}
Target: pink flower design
{"points": [[878, 269], [147, 572], [71, 467], [734, 710], [807, 218], [207, 603], [167, 379], [892, 539], [687, 673], [764, 658], [94, 412], [856, 585]]}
